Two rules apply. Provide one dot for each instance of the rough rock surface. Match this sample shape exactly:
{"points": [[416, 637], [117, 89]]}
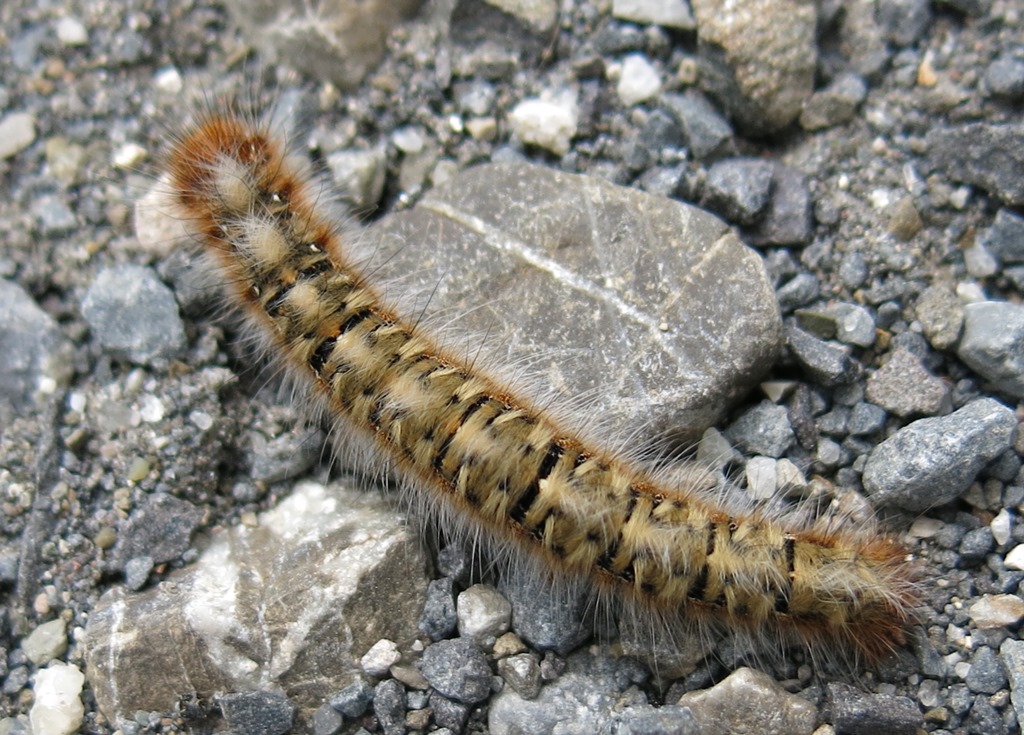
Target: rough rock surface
{"points": [[338, 42], [291, 604], [665, 314], [757, 59]]}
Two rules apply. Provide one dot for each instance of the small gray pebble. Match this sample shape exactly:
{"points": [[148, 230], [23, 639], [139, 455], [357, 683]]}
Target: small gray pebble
{"points": [[136, 572], [416, 699], [987, 675], [853, 270], [984, 718], [389, 706], [800, 290], [257, 713], [1005, 237], [458, 670], [1005, 467], [17, 679], [54, 215], [1011, 652], [439, 619], [787, 220], [932, 461], [866, 418], [854, 324], [455, 562], [353, 700], [764, 430], [32, 353], [522, 673], [1005, 78], [546, 618], [904, 21], [825, 362], [705, 130], [836, 422], [835, 104], [326, 720], [739, 189], [975, 546], [662, 130], [941, 313], [448, 713], [161, 528], [284, 456], [9, 558], [959, 698], [133, 314]]}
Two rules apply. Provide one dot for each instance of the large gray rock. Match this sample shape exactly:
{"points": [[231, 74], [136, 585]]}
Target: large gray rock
{"points": [[290, 605], [983, 154], [757, 58], [993, 344], [334, 41], [931, 461], [653, 307], [35, 360]]}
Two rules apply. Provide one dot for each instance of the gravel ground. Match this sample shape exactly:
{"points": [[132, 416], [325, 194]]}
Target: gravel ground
{"points": [[887, 208]]}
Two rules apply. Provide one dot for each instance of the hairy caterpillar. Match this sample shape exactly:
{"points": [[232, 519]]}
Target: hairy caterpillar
{"points": [[469, 445]]}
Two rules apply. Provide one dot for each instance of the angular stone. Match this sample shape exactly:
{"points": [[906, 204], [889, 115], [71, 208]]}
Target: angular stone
{"points": [[739, 189], [668, 13], [904, 387], [855, 712], [757, 58], [133, 314], [653, 307], [1005, 238], [58, 708], [35, 360], [161, 529], [996, 611], [941, 314], [932, 461], [483, 614], [290, 605], [546, 618], [593, 695], [987, 155], [751, 702], [548, 122], [707, 133], [825, 362], [835, 104], [337, 42], [764, 429], [46, 642], [787, 218], [458, 670]]}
